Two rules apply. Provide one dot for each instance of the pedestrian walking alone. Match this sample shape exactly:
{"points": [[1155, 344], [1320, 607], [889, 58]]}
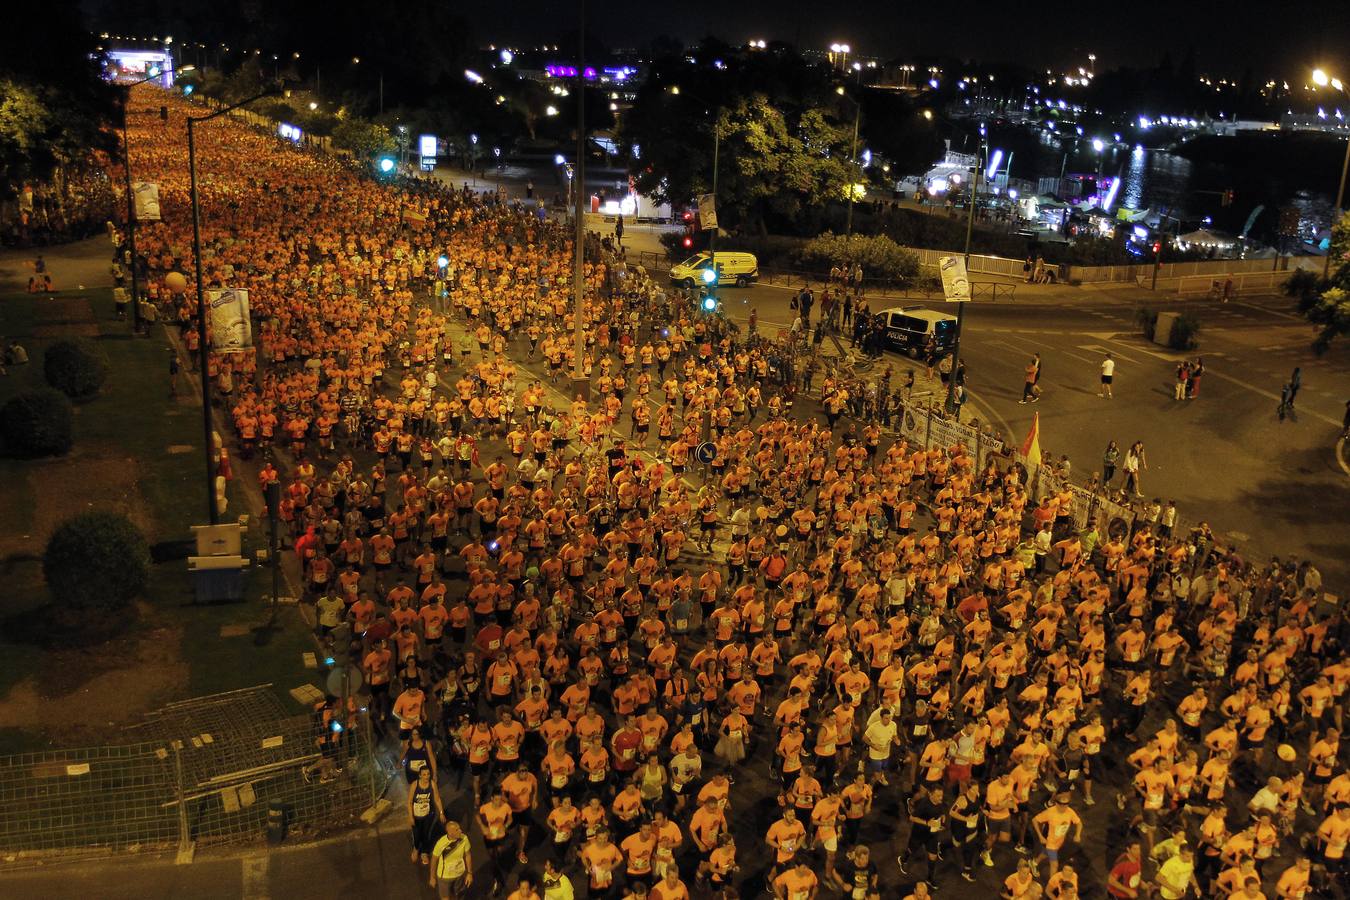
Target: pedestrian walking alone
{"points": [[1108, 372], [1030, 392], [1295, 382], [1286, 406]]}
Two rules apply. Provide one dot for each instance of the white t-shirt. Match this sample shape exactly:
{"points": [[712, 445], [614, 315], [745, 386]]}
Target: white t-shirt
{"points": [[1108, 368], [880, 734]]}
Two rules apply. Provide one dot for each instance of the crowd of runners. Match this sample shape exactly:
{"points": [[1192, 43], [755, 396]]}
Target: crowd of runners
{"points": [[826, 661]]}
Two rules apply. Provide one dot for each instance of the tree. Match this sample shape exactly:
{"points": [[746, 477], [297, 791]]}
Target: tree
{"points": [[1332, 307], [364, 139]]}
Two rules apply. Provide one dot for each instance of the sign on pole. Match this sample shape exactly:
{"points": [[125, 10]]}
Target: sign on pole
{"points": [[955, 282], [705, 452], [231, 330], [707, 212], [147, 201]]}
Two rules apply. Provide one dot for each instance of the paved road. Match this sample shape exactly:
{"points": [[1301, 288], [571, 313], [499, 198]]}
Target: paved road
{"points": [[1276, 488]]}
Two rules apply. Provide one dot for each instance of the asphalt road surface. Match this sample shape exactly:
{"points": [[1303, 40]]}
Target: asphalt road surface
{"points": [[1276, 488]]}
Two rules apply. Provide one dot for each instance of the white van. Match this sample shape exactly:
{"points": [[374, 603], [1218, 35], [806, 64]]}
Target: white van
{"points": [[733, 267]]}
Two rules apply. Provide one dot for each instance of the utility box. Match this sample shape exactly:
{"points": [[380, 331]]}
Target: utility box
{"points": [[1162, 329]]}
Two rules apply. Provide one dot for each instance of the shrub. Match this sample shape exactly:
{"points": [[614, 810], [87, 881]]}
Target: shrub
{"points": [[96, 561], [1147, 320], [37, 423], [879, 256], [1185, 333], [76, 368], [1302, 285]]}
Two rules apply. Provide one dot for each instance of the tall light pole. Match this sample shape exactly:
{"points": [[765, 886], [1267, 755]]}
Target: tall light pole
{"points": [[203, 344], [1321, 79], [131, 200], [852, 156], [581, 383], [961, 307]]}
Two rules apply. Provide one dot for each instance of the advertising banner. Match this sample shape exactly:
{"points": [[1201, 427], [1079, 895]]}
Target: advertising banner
{"points": [[146, 195], [231, 330], [707, 212], [955, 281]]}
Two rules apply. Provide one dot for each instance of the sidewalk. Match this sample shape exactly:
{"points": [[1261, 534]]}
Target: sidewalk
{"points": [[82, 264]]}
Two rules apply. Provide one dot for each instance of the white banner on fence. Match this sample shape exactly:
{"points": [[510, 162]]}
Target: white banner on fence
{"points": [[955, 281], [231, 330], [146, 194]]}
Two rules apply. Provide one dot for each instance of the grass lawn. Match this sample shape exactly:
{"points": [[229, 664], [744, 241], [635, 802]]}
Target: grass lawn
{"points": [[136, 451]]}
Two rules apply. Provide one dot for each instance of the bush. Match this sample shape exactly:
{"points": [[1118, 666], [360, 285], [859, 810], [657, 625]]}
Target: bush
{"points": [[879, 256], [1147, 320], [37, 423], [1303, 286], [76, 368], [1185, 333], [96, 561]]}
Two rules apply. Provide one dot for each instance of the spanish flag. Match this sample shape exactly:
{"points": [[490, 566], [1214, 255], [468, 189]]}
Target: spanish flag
{"points": [[1031, 447]]}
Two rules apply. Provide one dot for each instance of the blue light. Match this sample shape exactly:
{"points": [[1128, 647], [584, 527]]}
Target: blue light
{"points": [[187, 89], [386, 164], [337, 727], [709, 276], [709, 303], [442, 260], [328, 660]]}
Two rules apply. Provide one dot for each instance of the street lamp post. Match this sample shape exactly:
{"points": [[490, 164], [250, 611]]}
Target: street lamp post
{"points": [[1322, 79], [580, 381], [961, 307], [203, 344], [852, 156], [131, 201]]}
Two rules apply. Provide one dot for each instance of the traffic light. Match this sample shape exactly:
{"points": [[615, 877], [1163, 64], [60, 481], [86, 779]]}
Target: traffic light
{"points": [[709, 303], [687, 242], [1228, 197], [1157, 247], [385, 165]]}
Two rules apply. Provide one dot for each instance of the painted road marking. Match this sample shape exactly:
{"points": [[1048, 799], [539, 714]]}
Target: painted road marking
{"points": [[1098, 348], [255, 878]]}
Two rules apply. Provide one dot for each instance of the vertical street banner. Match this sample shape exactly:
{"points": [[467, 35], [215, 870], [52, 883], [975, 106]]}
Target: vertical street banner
{"points": [[231, 329], [955, 281], [146, 197], [707, 212]]}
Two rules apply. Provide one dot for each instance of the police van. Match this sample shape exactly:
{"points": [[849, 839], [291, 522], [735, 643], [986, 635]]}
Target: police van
{"points": [[910, 329]]}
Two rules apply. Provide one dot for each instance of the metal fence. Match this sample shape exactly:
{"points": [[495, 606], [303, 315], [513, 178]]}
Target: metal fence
{"points": [[204, 771]]}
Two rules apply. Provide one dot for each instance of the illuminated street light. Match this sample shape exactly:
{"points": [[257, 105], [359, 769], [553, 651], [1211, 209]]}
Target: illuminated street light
{"points": [[1322, 79], [313, 105], [1098, 144], [550, 110], [473, 76]]}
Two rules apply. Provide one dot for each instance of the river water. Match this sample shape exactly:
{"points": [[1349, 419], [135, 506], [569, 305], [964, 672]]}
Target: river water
{"points": [[1269, 171]]}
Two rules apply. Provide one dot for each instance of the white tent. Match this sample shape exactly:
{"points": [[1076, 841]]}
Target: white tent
{"points": [[1203, 237]]}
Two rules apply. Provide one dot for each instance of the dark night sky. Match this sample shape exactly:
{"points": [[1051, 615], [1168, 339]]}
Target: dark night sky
{"points": [[1270, 36]]}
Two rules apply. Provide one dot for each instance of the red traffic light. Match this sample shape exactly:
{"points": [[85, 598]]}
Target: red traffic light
{"points": [[688, 242], [688, 216], [1157, 246]]}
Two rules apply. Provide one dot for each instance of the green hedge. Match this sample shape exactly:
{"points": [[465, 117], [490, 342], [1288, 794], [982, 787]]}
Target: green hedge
{"points": [[35, 423]]}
